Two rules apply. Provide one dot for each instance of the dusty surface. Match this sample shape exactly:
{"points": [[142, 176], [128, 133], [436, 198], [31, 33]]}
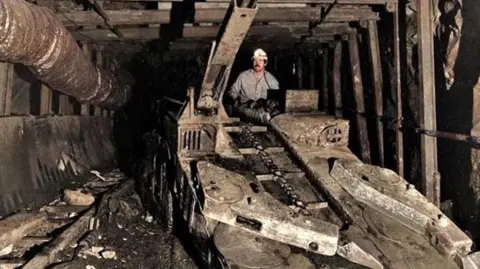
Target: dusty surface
{"points": [[133, 240], [125, 236]]}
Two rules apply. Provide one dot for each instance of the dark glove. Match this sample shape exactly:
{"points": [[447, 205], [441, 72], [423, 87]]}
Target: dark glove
{"points": [[260, 104], [237, 102], [272, 107], [250, 104]]}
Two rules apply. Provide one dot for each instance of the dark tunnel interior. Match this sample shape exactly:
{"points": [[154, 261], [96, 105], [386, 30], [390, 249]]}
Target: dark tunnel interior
{"points": [[161, 70], [179, 169]]}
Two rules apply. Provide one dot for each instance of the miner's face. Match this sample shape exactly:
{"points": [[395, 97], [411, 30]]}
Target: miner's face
{"points": [[259, 64]]}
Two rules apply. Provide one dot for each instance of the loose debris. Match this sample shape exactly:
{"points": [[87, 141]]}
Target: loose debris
{"points": [[101, 225], [98, 175], [14, 228], [7, 250], [73, 233], [109, 254], [78, 198]]}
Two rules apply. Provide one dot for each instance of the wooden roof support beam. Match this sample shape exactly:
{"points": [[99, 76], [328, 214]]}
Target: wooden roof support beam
{"points": [[6, 86], [353, 2], [429, 155], [189, 45], [359, 96], [117, 17], [338, 2], [271, 44], [258, 31], [101, 12], [214, 13]]}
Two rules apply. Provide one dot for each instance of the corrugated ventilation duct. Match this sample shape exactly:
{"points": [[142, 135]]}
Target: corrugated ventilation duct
{"points": [[31, 35]]}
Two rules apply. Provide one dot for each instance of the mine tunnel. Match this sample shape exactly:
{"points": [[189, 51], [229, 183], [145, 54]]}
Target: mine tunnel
{"points": [[124, 146]]}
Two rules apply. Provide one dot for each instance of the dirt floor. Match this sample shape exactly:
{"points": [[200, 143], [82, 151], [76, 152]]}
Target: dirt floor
{"points": [[128, 238]]}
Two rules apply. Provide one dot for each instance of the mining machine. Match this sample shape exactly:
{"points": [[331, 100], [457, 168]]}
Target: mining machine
{"points": [[287, 192]]}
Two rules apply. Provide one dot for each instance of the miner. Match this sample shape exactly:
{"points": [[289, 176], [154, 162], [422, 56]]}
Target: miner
{"points": [[252, 87]]}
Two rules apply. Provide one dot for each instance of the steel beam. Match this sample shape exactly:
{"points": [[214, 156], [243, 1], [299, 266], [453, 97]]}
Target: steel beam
{"points": [[430, 184], [377, 78], [357, 83]]}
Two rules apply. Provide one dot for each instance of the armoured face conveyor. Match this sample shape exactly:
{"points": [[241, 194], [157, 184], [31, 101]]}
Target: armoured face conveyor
{"points": [[281, 192], [264, 191]]}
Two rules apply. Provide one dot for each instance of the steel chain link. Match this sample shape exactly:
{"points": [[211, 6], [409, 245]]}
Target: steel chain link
{"points": [[278, 176]]}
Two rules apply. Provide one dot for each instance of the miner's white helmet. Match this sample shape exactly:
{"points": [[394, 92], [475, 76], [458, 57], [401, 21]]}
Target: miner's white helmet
{"points": [[261, 54]]}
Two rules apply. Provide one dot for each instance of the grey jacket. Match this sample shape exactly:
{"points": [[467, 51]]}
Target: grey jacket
{"points": [[248, 87]]}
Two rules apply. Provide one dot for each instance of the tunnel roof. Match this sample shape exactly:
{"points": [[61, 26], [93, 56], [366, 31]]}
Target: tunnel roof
{"points": [[283, 20]]}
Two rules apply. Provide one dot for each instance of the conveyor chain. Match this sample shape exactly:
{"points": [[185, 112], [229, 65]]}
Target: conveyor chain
{"points": [[278, 176]]}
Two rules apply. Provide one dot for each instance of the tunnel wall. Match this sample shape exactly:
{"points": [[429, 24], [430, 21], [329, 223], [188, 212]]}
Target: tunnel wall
{"points": [[42, 155], [23, 84]]}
